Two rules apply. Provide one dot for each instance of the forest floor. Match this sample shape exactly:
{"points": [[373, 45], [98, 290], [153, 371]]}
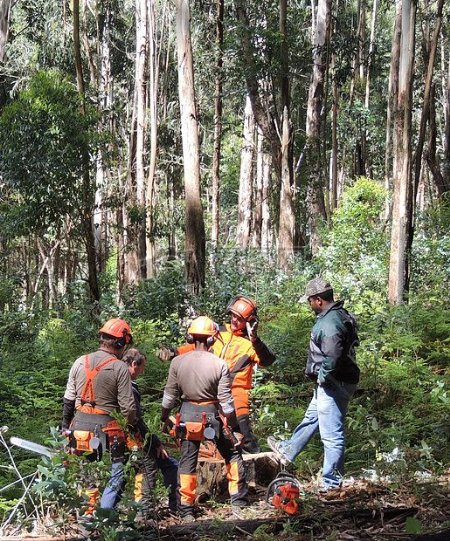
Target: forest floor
{"points": [[363, 510]]}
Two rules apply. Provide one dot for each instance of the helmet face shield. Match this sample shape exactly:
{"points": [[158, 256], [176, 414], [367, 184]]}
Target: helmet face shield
{"points": [[242, 306]]}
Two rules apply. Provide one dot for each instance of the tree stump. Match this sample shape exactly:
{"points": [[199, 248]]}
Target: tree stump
{"points": [[260, 469]]}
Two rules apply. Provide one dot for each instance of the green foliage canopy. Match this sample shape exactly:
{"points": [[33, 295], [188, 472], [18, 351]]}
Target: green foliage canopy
{"points": [[43, 135]]}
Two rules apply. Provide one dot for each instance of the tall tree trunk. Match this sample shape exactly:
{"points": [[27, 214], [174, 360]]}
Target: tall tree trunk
{"points": [[47, 254], [262, 234], [258, 192], [402, 207], [445, 54], [244, 219], [392, 93], [286, 229], [106, 124], [334, 132], [88, 192], [155, 44], [135, 201], [217, 125], [430, 48], [315, 188], [5, 6], [265, 114], [194, 224], [371, 53]]}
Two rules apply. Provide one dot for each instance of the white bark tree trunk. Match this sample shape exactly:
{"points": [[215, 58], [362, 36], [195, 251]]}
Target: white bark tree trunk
{"points": [[5, 6], [392, 96], [157, 13], [218, 106], [286, 230], [315, 190], [246, 178], [134, 203], [195, 228], [401, 214]]}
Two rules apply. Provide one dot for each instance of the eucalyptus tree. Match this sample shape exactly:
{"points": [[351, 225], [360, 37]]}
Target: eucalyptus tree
{"points": [[194, 222], [271, 108], [43, 140], [316, 165], [5, 6], [87, 185], [402, 152], [218, 113]]}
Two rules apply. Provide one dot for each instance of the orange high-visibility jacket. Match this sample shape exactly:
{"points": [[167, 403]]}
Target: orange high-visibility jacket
{"points": [[239, 353]]}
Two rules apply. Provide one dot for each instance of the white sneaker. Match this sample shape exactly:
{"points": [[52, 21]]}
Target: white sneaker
{"points": [[274, 444]]}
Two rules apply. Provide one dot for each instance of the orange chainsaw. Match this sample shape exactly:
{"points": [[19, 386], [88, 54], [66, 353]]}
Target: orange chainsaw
{"points": [[283, 493]]}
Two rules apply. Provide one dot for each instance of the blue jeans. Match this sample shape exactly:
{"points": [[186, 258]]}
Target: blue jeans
{"points": [[326, 413], [113, 490]]}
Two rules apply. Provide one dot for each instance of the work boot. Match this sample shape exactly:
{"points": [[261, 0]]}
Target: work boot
{"points": [[188, 518]]}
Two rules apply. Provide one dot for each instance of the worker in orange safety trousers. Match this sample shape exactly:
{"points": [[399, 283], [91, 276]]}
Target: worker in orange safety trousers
{"points": [[202, 381], [99, 386], [239, 345]]}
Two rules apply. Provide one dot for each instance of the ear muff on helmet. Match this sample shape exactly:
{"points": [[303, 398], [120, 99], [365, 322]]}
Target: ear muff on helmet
{"points": [[190, 339], [201, 327], [120, 329], [244, 307], [125, 340]]}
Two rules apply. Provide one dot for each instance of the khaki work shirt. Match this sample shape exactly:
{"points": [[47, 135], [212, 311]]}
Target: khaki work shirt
{"points": [[112, 385], [198, 376]]}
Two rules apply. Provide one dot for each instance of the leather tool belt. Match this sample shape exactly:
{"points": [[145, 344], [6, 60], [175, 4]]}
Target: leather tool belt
{"points": [[93, 433], [197, 421]]}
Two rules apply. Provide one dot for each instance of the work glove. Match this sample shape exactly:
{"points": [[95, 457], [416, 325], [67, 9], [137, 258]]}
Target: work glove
{"points": [[165, 354], [165, 425], [252, 329]]}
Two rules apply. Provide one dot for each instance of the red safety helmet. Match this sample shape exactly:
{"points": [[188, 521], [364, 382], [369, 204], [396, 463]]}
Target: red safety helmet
{"points": [[243, 306], [118, 328]]}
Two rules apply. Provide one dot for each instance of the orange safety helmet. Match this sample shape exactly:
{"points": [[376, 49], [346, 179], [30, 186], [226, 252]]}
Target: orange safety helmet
{"points": [[202, 326], [118, 328], [243, 306]]}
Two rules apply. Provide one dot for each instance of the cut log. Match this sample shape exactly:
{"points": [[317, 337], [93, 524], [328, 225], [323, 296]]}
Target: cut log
{"points": [[260, 469]]}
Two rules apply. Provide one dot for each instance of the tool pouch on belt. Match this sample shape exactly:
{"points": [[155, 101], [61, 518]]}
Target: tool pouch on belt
{"points": [[194, 431], [206, 429], [116, 440], [80, 441]]}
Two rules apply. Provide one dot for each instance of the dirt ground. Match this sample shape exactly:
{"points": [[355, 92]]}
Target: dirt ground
{"points": [[361, 511]]}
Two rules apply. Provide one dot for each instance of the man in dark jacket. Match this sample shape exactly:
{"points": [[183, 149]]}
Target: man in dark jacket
{"points": [[331, 365]]}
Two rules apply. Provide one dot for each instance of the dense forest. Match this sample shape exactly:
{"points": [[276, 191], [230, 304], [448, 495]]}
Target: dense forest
{"points": [[158, 157]]}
